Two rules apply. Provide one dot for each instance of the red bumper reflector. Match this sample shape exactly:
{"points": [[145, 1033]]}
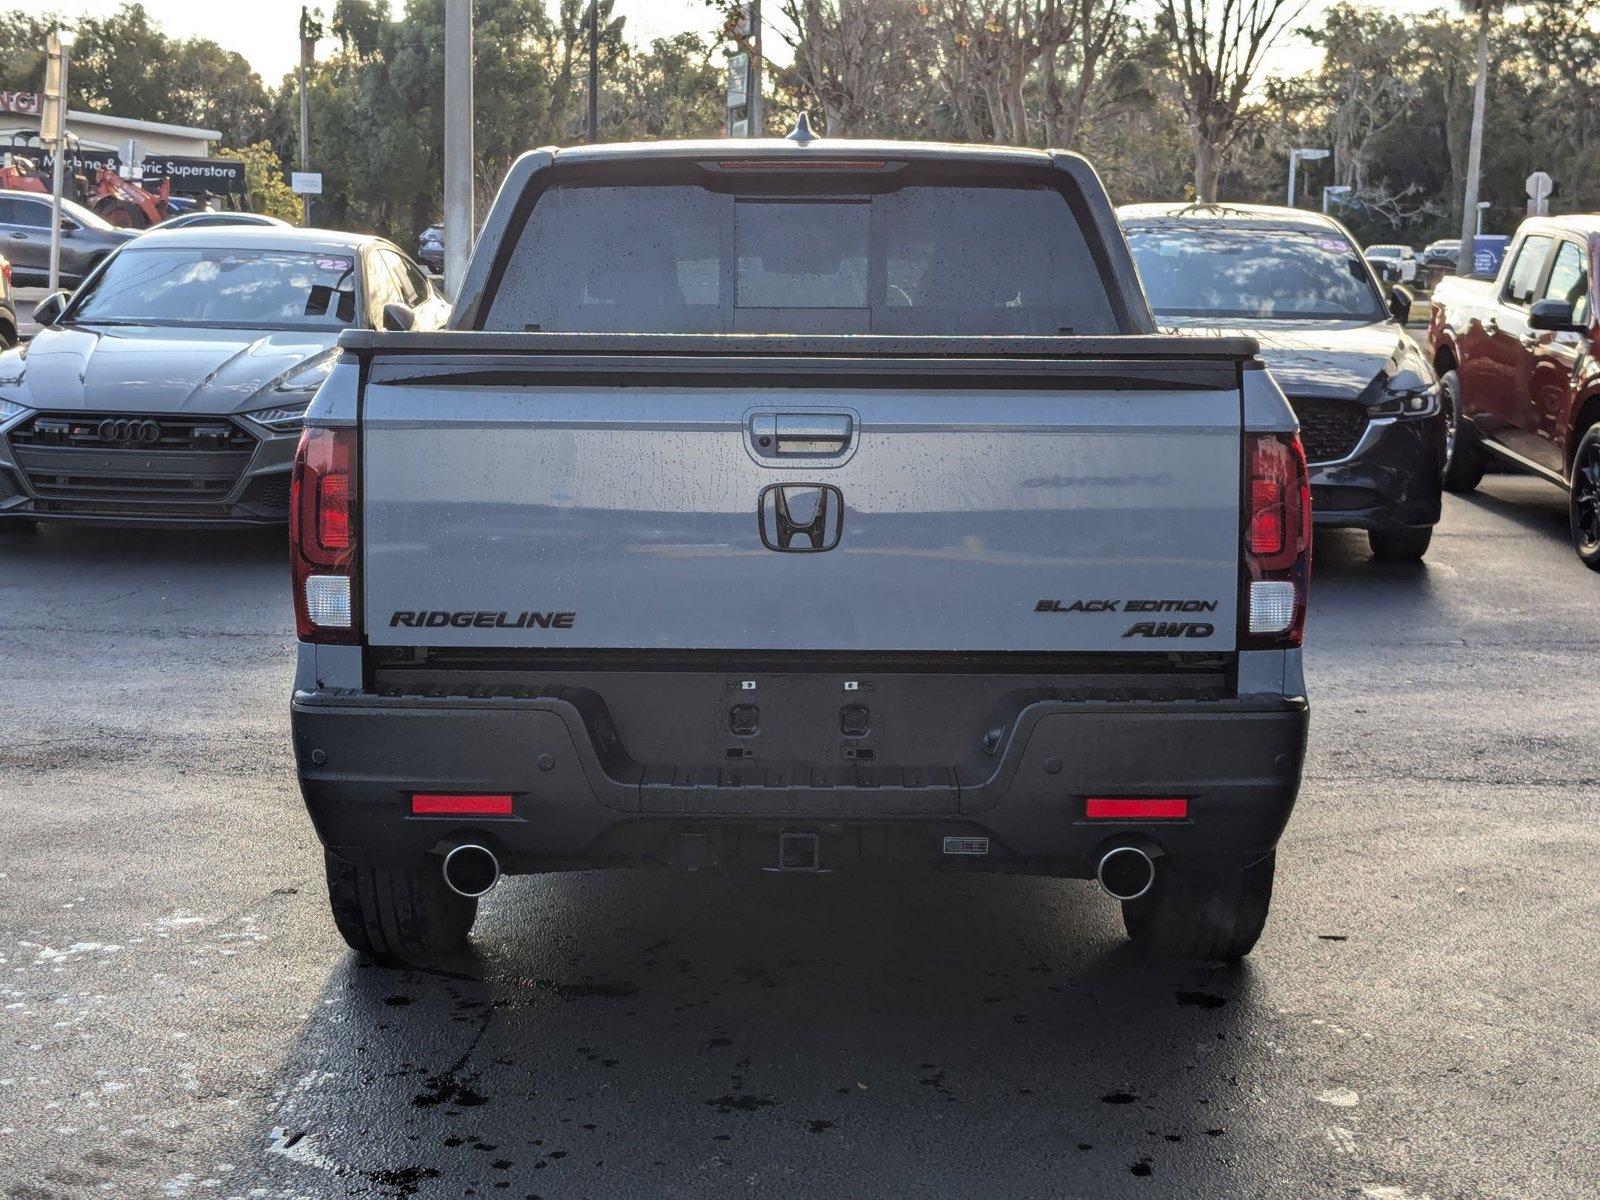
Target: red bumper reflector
{"points": [[1135, 808], [438, 804]]}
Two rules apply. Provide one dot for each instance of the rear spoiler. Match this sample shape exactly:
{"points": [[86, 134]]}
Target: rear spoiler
{"points": [[1114, 347], [1116, 363]]}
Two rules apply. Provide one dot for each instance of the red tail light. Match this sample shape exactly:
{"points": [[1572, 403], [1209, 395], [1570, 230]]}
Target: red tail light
{"points": [[5, 269], [1276, 571], [322, 537]]}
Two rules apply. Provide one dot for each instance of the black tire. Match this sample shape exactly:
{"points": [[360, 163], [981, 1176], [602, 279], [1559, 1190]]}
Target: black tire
{"points": [[1463, 457], [1584, 504], [1399, 545], [397, 916], [1201, 911]]}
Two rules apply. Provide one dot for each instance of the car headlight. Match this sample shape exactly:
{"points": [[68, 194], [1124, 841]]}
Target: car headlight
{"points": [[9, 409], [1408, 388], [1420, 401], [283, 419], [293, 395]]}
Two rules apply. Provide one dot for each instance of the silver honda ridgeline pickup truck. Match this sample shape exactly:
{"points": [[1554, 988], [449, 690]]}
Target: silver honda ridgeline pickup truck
{"points": [[803, 505]]}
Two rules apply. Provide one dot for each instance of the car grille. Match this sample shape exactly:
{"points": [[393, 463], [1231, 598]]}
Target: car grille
{"points": [[1329, 429], [130, 464]]}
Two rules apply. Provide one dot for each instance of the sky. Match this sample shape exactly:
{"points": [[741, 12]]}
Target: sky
{"points": [[266, 32]]}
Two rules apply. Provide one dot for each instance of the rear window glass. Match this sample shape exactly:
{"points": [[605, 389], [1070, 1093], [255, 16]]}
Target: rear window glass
{"points": [[682, 259]]}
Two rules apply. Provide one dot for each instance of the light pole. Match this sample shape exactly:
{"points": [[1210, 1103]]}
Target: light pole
{"points": [[1295, 156], [57, 46], [459, 220]]}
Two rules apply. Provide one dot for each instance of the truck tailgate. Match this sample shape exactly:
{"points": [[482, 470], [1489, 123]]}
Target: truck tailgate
{"points": [[631, 501]]}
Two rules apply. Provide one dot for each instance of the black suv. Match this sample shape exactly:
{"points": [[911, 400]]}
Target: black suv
{"points": [[1367, 400]]}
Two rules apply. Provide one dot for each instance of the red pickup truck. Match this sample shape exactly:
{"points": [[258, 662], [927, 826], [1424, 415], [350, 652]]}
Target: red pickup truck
{"points": [[1516, 360]]}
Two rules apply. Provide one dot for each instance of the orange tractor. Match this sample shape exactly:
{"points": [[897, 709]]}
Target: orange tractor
{"points": [[121, 202]]}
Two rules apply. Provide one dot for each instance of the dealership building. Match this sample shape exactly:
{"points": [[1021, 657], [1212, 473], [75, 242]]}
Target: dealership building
{"points": [[19, 123]]}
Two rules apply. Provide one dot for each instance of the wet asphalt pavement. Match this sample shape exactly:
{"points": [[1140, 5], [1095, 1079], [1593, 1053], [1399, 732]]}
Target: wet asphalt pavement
{"points": [[178, 1018]]}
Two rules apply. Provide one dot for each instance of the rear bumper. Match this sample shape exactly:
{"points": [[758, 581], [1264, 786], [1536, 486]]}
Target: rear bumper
{"points": [[1391, 481], [580, 801]]}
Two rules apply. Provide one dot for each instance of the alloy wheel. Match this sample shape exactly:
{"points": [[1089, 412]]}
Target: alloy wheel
{"points": [[1586, 497]]}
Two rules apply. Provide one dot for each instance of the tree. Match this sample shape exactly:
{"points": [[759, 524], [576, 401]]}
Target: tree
{"points": [[1217, 55], [1366, 84], [263, 180], [862, 62]]}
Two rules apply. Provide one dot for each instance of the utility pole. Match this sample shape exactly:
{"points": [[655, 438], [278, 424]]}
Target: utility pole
{"points": [[1469, 204], [460, 222], [54, 129], [310, 30], [753, 112], [594, 70]]}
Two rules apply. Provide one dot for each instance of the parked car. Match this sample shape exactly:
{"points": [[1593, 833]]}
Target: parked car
{"points": [[1393, 264], [214, 217], [171, 386], [1443, 253], [912, 542], [86, 238], [1516, 357], [8, 306], [430, 249], [1366, 398]]}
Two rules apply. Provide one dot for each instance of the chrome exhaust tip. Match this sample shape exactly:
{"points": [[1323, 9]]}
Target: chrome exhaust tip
{"points": [[1125, 872], [471, 870]]}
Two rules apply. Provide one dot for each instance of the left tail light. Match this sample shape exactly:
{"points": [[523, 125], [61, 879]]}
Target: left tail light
{"points": [[323, 537], [1276, 572]]}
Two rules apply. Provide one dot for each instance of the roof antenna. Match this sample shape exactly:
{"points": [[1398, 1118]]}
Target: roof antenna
{"points": [[801, 134]]}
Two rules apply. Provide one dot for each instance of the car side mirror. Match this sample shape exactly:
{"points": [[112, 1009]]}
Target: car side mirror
{"points": [[1400, 304], [1554, 316], [48, 311], [398, 318]]}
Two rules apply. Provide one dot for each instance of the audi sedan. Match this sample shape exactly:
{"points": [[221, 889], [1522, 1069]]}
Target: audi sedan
{"points": [[170, 387]]}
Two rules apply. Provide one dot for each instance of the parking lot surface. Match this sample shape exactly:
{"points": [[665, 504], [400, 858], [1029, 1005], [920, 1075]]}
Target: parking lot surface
{"points": [[1419, 1020]]}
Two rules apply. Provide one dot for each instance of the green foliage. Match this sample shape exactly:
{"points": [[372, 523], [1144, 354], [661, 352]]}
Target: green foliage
{"points": [[124, 64], [263, 174]]}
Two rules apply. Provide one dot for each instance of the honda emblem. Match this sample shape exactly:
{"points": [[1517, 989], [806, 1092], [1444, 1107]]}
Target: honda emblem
{"points": [[801, 517]]}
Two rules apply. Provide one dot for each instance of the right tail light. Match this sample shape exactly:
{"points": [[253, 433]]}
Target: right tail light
{"points": [[323, 536], [1276, 572]]}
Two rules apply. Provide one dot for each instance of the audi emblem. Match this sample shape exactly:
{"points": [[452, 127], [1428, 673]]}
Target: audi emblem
{"points": [[124, 431]]}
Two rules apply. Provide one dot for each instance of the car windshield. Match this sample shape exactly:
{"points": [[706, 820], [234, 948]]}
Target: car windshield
{"points": [[1305, 274], [1385, 251], [197, 285]]}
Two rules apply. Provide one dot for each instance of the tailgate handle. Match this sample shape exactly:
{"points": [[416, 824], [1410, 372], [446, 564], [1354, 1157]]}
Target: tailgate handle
{"points": [[800, 435]]}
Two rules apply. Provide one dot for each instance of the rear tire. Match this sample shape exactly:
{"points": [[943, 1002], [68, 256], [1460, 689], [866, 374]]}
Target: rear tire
{"points": [[1584, 503], [124, 214], [1399, 545], [1463, 458], [1202, 911], [397, 916]]}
